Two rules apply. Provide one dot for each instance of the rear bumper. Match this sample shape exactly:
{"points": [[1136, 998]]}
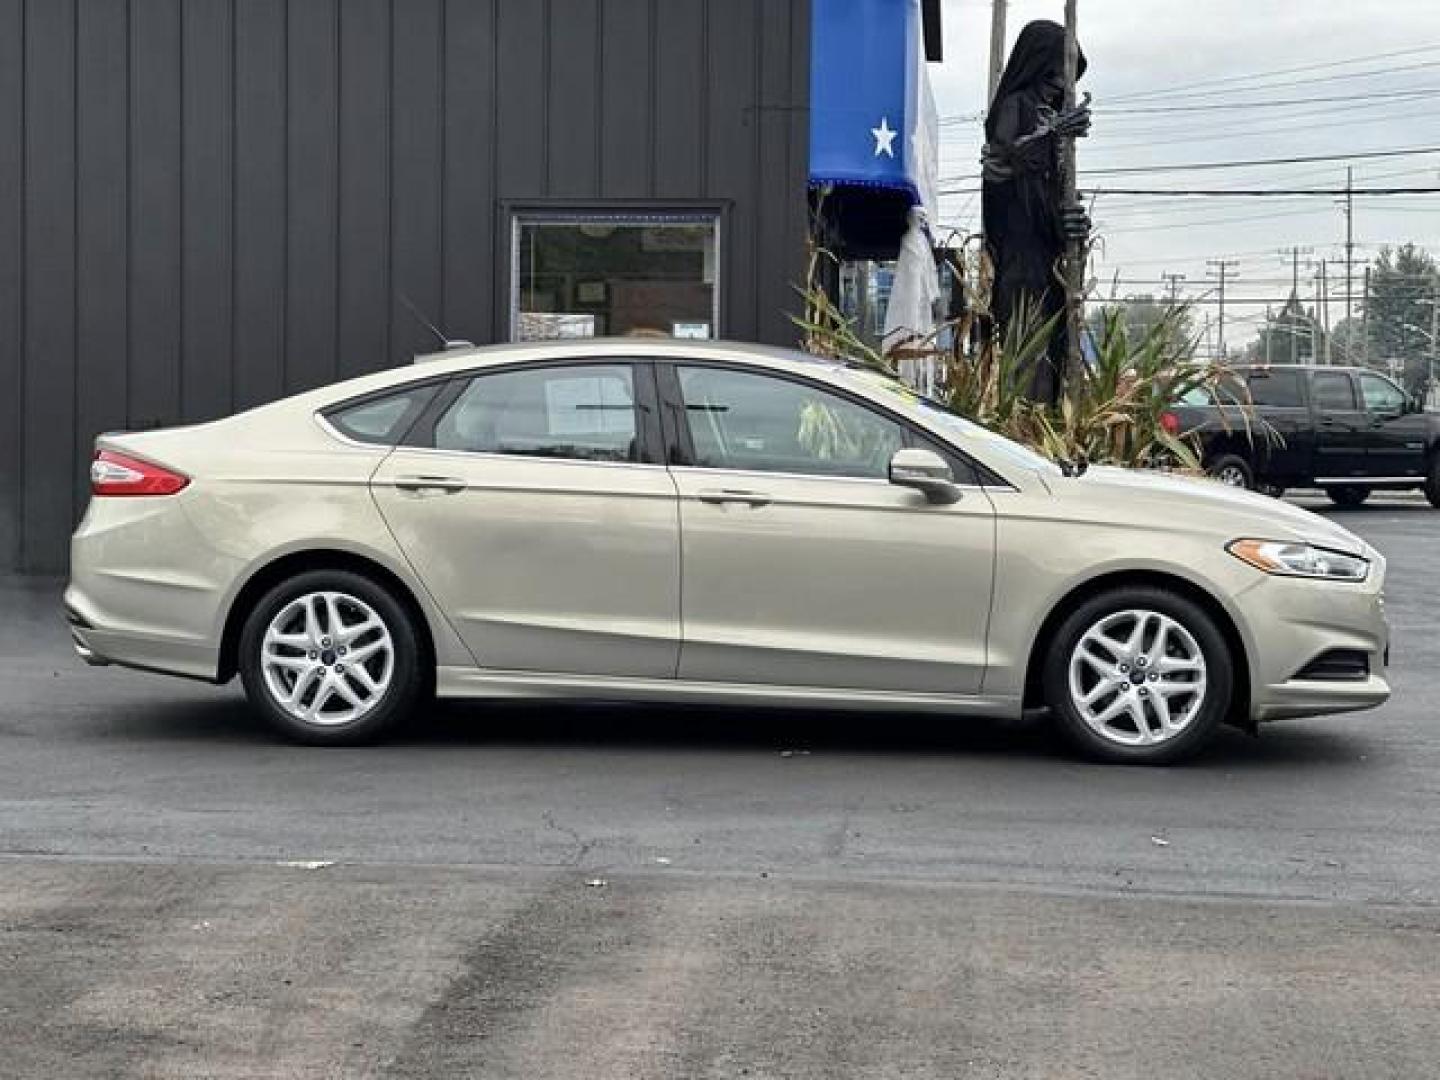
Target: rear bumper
{"points": [[166, 655], [145, 591]]}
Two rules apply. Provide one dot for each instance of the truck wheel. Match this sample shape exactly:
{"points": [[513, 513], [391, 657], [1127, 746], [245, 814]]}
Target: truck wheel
{"points": [[1232, 471], [1348, 494], [1432, 483]]}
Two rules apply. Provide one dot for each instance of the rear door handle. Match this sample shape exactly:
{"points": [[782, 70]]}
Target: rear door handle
{"points": [[719, 496], [447, 484]]}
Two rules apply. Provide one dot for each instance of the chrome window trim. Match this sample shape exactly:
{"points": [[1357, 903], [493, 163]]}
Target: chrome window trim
{"points": [[704, 470], [541, 458]]}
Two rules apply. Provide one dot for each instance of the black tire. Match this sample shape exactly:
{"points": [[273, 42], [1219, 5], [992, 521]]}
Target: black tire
{"points": [[1219, 673], [409, 680], [1232, 470], [1348, 494], [1432, 483]]}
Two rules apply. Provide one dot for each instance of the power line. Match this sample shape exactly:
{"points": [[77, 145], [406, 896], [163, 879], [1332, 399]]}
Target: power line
{"points": [[1255, 193], [1106, 111], [1273, 72], [1418, 91], [1199, 166], [1268, 127]]}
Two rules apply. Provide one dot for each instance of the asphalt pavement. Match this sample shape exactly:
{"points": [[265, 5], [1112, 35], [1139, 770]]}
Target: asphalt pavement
{"points": [[603, 891]]}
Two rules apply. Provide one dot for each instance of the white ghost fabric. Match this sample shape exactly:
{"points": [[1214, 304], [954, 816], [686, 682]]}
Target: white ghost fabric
{"points": [[914, 295]]}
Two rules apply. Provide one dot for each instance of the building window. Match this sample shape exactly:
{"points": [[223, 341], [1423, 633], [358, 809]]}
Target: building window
{"points": [[593, 274]]}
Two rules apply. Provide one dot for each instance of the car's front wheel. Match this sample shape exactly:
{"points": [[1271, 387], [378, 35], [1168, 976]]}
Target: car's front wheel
{"points": [[1138, 675], [329, 657]]}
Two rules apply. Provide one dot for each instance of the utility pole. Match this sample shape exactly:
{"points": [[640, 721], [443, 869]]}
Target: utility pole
{"points": [[1434, 347], [1349, 242], [1173, 281], [1222, 268], [1075, 249], [1365, 319], [1325, 310], [1295, 253], [997, 46]]}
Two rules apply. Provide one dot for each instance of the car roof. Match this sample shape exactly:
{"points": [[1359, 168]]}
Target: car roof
{"points": [[620, 348], [460, 360], [1351, 368]]}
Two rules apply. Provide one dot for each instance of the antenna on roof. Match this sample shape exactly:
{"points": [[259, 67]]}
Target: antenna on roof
{"points": [[445, 342]]}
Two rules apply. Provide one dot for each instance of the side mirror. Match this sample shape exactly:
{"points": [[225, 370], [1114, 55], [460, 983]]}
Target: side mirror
{"points": [[926, 472]]}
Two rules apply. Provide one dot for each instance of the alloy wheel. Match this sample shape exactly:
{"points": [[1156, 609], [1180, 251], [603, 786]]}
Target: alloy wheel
{"points": [[327, 658], [1137, 678]]}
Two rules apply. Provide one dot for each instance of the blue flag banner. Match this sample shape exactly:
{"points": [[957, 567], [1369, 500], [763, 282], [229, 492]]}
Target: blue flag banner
{"points": [[872, 121]]}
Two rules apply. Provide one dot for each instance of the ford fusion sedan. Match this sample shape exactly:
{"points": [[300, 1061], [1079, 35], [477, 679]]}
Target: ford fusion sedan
{"points": [[642, 520]]}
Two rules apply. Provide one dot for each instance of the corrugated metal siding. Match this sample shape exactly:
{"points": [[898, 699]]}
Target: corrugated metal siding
{"points": [[207, 204]]}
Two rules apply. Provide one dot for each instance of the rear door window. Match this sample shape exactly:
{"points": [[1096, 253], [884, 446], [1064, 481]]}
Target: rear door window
{"points": [[1334, 391], [1279, 389], [581, 412]]}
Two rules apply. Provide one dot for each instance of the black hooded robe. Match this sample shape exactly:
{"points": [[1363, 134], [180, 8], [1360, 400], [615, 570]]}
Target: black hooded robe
{"points": [[1022, 199]]}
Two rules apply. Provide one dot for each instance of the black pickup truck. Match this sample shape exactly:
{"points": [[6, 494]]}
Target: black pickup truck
{"points": [[1347, 430]]}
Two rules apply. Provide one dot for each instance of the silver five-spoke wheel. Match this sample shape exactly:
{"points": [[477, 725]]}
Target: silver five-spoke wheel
{"points": [[1232, 476], [1137, 678], [327, 658]]}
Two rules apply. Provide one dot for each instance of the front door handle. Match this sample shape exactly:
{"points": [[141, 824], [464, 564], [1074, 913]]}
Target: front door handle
{"points": [[719, 496], [447, 484]]}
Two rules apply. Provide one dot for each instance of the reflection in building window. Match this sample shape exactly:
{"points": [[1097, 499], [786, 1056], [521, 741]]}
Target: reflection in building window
{"points": [[593, 274]]}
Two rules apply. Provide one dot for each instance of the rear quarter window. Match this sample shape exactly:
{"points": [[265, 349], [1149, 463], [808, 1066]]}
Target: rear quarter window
{"points": [[382, 419]]}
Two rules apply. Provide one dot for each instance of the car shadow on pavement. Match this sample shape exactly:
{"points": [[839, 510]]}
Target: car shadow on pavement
{"points": [[451, 726]]}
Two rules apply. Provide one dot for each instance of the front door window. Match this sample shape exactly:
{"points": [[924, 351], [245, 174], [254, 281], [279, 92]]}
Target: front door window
{"points": [[743, 421]]}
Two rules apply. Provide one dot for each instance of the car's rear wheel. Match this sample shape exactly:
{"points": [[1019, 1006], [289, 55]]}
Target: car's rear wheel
{"points": [[1432, 483], [1348, 494], [329, 657], [1138, 675], [1232, 471]]}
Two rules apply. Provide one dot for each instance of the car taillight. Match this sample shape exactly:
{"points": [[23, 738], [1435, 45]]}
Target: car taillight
{"points": [[1170, 422], [120, 474]]}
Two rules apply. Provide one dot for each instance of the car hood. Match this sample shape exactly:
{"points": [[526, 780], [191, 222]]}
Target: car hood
{"points": [[1216, 506]]}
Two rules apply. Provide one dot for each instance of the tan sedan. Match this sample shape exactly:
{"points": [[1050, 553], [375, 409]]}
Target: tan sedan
{"points": [[661, 520]]}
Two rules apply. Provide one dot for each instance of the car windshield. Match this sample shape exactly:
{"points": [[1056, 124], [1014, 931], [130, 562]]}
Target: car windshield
{"points": [[962, 428]]}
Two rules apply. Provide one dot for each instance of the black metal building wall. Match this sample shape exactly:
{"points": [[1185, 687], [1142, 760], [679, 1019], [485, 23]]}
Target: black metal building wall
{"points": [[208, 204]]}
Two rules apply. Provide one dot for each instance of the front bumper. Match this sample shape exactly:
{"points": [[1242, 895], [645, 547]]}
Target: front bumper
{"points": [[1293, 621]]}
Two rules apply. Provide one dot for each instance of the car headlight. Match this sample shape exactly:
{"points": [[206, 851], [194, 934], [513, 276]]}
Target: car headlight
{"points": [[1299, 560]]}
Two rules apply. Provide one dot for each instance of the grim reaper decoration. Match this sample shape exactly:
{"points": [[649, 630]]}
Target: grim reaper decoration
{"points": [[1026, 221]]}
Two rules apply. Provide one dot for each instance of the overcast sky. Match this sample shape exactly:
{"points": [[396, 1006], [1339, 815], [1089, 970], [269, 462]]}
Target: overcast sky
{"points": [[1139, 49]]}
